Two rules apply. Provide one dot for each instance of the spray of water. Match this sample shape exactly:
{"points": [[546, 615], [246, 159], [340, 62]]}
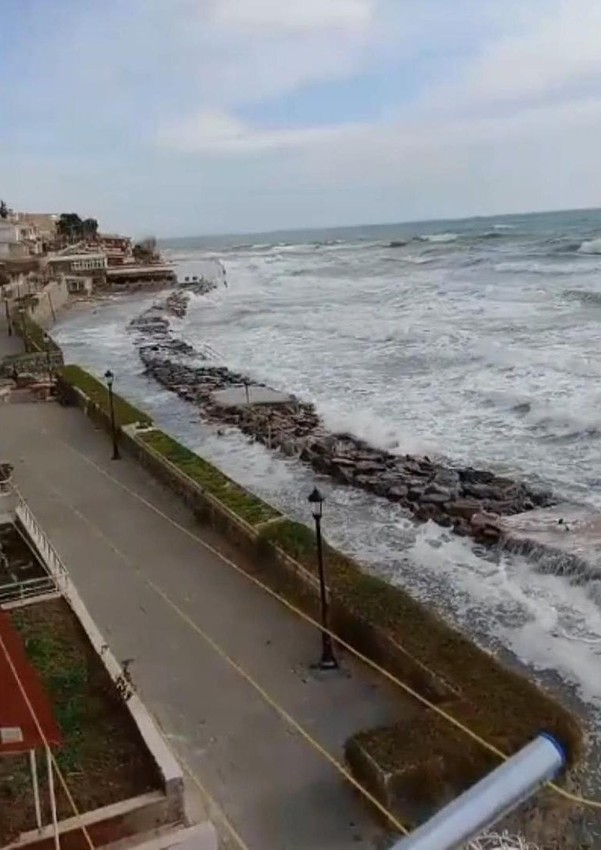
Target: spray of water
{"points": [[501, 841]]}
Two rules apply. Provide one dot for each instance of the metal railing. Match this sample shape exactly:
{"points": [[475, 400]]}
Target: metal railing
{"points": [[19, 590], [50, 558]]}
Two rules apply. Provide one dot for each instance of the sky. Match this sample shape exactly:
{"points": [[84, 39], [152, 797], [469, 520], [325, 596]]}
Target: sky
{"points": [[185, 117]]}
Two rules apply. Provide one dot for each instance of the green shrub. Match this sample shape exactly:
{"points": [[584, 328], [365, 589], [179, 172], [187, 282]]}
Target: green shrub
{"points": [[97, 392], [244, 504], [496, 702]]}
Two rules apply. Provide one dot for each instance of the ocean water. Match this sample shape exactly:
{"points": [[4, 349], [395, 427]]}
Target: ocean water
{"points": [[476, 340]]}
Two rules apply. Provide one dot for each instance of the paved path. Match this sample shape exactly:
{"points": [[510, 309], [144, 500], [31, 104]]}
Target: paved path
{"points": [[9, 344], [277, 790]]}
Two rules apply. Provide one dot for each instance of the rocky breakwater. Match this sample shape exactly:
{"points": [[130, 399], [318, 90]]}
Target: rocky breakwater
{"points": [[469, 500]]}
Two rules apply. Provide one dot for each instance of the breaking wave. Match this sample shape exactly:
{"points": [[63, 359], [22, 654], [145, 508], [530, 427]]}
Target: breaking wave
{"points": [[593, 246], [439, 237], [585, 296]]}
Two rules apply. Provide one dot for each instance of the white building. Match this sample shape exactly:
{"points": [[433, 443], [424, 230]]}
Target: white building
{"points": [[9, 239], [18, 239]]}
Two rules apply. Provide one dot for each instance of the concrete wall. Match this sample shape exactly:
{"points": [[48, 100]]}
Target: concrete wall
{"points": [[51, 299], [35, 363]]}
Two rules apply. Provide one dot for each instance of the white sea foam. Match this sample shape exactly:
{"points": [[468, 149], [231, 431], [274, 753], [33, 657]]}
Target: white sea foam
{"points": [[548, 267], [439, 237], [543, 619], [593, 246], [370, 427]]}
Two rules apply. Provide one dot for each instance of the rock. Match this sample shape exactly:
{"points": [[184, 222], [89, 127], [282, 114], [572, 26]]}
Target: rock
{"points": [[368, 466], [398, 493], [436, 498], [447, 478], [469, 475], [483, 491], [343, 461], [464, 508], [486, 527]]}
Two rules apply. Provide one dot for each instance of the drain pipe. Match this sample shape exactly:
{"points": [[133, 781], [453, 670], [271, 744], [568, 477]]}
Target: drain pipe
{"points": [[483, 805]]}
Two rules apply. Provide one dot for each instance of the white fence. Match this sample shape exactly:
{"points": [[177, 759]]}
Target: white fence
{"points": [[13, 506], [58, 572]]}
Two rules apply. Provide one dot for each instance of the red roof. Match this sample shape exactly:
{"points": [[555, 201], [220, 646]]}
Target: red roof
{"points": [[18, 729]]}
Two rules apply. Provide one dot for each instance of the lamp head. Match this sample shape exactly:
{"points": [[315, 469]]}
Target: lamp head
{"points": [[316, 501]]}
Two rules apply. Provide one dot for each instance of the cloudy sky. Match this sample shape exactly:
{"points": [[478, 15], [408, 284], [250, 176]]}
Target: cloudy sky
{"points": [[182, 117]]}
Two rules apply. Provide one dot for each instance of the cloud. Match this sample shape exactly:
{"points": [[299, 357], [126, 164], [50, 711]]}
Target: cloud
{"points": [[313, 112], [274, 16], [556, 54], [220, 133]]}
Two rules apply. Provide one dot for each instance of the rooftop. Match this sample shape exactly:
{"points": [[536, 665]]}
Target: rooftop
{"points": [[134, 269], [65, 258]]}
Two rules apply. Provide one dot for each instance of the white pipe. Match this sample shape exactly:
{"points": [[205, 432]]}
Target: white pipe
{"points": [[483, 805], [57, 841], [36, 788]]}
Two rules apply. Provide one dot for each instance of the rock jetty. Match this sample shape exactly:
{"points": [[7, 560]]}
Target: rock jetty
{"points": [[467, 499]]}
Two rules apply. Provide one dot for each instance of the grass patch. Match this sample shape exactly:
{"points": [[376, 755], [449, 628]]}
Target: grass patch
{"points": [[248, 507], [499, 704], [97, 392], [415, 768]]}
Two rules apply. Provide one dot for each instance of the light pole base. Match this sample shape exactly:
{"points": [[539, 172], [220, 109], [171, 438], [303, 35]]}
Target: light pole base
{"points": [[327, 664]]}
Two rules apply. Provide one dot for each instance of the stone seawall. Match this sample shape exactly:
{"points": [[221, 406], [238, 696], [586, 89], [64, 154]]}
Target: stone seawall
{"points": [[467, 499]]}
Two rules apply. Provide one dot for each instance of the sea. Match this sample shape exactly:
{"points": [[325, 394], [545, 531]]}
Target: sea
{"points": [[475, 340]]}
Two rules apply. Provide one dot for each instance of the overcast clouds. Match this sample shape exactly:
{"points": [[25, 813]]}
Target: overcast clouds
{"points": [[195, 116]]}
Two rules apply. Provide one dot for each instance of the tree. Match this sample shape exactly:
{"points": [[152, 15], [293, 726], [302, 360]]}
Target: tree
{"points": [[146, 251], [3, 210], [70, 227], [89, 227]]}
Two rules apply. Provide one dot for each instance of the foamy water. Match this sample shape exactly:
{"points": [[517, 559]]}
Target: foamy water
{"points": [[475, 340]]}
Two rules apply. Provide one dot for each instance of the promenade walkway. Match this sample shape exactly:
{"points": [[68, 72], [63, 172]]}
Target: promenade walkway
{"points": [[9, 344], [156, 594]]}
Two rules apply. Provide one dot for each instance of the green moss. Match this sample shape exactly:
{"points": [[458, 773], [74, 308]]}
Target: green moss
{"points": [[414, 767], [248, 507], [501, 705], [96, 391]]}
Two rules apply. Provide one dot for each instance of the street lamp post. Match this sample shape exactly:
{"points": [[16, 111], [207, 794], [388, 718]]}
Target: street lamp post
{"points": [[9, 326], [109, 377], [47, 350], [328, 659]]}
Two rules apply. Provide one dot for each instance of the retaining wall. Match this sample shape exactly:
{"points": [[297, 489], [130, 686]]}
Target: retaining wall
{"points": [[50, 300]]}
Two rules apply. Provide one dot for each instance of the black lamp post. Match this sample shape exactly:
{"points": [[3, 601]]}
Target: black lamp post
{"points": [[9, 326], [328, 659], [47, 350], [109, 382]]}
